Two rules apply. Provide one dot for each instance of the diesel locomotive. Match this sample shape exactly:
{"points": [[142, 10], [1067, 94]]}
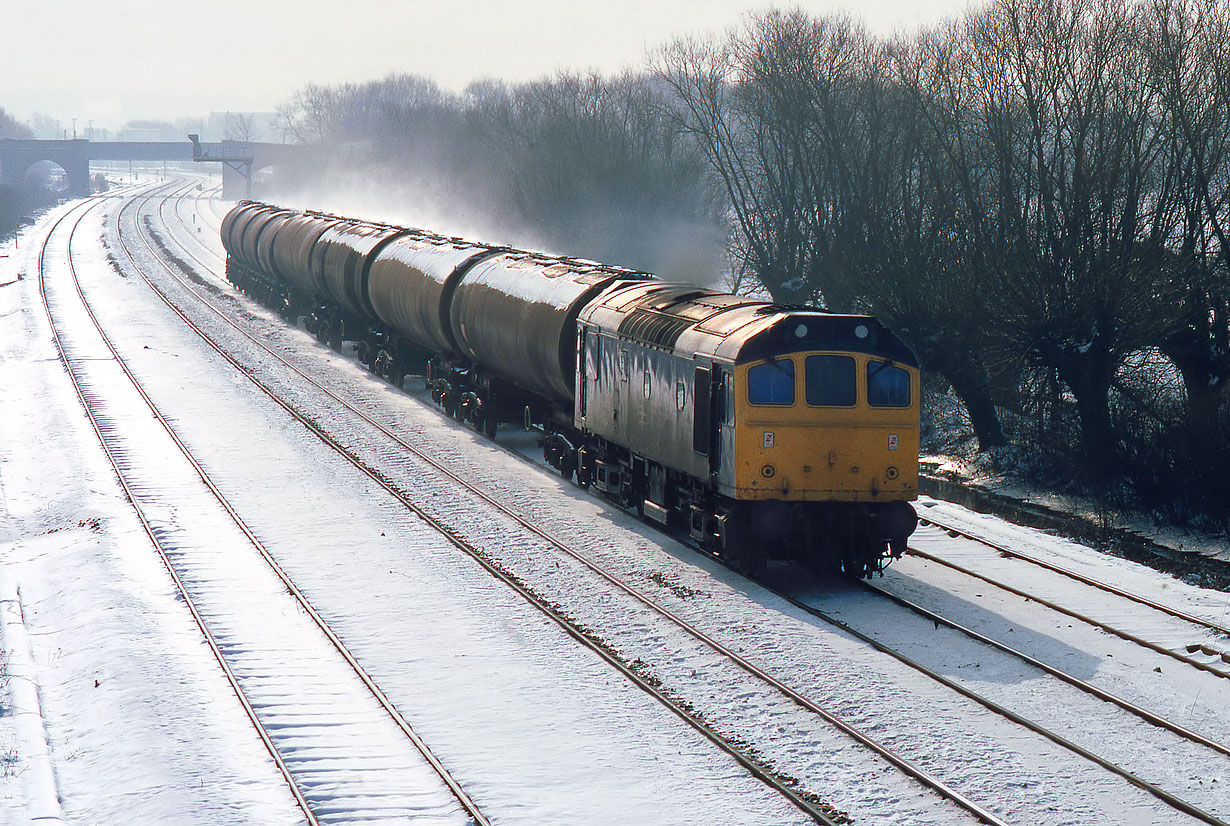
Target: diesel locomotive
{"points": [[766, 432]]}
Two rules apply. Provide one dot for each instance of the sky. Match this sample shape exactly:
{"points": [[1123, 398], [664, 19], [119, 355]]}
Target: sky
{"points": [[109, 61]]}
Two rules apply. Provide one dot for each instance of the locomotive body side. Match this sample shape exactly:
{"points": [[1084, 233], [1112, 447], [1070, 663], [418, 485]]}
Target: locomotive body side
{"points": [[643, 368]]}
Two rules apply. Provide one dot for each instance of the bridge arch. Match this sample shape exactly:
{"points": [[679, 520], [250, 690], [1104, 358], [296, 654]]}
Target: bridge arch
{"points": [[18, 156], [46, 176]]}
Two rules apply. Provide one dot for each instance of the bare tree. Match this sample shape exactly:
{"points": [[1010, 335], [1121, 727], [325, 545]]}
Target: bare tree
{"points": [[1036, 196], [835, 154], [927, 273], [45, 127], [776, 109], [240, 126], [311, 115], [1189, 48], [1073, 149]]}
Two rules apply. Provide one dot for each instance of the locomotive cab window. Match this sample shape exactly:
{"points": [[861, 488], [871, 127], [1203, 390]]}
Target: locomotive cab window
{"points": [[887, 385], [830, 381], [771, 383]]}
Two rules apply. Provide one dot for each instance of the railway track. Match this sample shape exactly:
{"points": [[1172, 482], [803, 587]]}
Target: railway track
{"points": [[1218, 663], [1161, 794], [109, 412], [1004, 551], [785, 786], [1214, 747], [194, 226]]}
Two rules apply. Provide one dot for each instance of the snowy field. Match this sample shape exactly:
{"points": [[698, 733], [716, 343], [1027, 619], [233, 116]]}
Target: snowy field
{"points": [[114, 711]]}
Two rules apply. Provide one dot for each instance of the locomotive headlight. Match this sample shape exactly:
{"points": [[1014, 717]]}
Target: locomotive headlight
{"points": [[861, 331], [891, 474], [768, 471]]}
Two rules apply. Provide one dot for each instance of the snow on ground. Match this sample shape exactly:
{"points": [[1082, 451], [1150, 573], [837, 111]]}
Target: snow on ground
{"points": [[507, 698], [419, 613], [976, 472], [818, 660], [142, 726]]}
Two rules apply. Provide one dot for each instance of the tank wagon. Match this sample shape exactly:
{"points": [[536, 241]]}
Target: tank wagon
{"points": [[766, 432]]}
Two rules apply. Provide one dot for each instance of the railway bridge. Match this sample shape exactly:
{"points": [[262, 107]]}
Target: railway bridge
{"points": [[240, 159]]}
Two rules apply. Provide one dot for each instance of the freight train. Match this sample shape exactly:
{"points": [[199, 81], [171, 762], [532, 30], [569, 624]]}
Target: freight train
{"points": [[764, 431]]}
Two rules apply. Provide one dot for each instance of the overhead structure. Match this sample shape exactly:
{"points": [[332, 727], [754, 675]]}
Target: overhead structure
{"points": [[239, 159], [234, 155]]}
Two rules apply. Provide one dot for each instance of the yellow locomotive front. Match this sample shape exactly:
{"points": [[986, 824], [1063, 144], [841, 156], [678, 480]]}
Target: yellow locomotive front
{"points": [[826, 426], [821, 432]]}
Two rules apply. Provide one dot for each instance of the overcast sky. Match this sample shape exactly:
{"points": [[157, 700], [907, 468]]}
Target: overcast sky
{"points": [[114, 60]]}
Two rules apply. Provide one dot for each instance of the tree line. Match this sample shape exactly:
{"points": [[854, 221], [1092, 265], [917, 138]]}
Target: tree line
{"points": [[1036, 196]]}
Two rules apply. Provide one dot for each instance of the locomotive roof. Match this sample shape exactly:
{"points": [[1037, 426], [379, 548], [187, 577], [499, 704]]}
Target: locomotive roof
{"points": [[734, 328]]}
